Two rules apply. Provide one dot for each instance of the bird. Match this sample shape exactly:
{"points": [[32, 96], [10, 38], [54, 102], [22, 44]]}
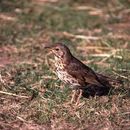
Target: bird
{"points": [[75, 73]]}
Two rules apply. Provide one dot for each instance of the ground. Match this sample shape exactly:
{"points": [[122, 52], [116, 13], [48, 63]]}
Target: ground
{"points": [[31, 95]]}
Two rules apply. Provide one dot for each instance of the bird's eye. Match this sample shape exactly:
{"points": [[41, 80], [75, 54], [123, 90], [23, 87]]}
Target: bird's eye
{"points": [[57, 49]]}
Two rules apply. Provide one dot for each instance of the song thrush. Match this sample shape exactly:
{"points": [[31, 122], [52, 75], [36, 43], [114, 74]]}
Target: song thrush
{"points": [[73, 72]]}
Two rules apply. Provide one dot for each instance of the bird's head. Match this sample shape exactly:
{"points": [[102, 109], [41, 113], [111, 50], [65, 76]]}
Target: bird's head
{"points": [[59, 50]]}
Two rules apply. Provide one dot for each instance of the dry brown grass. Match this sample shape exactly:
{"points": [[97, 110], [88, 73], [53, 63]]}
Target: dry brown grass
{"points": [[31, 96]]}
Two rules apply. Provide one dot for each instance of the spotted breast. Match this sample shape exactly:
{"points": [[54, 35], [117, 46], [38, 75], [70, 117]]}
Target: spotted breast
{"points": [[63, 75]]}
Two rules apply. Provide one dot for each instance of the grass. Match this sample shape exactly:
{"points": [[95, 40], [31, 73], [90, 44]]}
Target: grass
{"points": [[96, 32]]}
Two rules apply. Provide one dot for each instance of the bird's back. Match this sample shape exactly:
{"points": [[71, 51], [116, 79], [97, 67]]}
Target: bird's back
{"points": [[82, 72]]}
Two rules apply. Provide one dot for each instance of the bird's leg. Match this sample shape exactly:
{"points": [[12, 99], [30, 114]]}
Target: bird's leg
{"points": [[79, 96], [73, 95]]}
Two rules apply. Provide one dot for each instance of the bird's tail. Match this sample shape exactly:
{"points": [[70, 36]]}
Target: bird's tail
{"points": [[109, 79]]}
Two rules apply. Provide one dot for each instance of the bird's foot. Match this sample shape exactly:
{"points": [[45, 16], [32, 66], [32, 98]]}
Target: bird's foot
{"points": [[76, 98], [79, 96], [79, 105], [73, 96]]}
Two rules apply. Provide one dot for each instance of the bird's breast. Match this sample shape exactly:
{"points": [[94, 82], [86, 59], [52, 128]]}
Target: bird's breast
{"points": [[58, 63], [66, 78], [63, 74]]}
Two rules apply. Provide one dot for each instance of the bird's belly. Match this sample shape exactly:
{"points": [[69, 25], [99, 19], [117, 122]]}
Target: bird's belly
{"points": [[66, 78]]}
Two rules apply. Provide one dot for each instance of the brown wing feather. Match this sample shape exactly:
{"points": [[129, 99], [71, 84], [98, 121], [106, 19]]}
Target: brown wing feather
{"points": [[82, 72]]}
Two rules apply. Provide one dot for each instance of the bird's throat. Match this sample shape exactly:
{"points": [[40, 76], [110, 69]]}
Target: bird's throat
{"points": [[63, 61], [59, 63]]}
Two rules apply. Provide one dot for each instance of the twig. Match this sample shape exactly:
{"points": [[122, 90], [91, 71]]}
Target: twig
{"points": [[49, 77], [12, 94], [121, 75], [117, 36], [86, 8], [21, 119], [95, 37], [1, 80], [101, 55], [7, 18], [48, 63], [106, 55], [94, 47], [113, 53], [81, 36]]}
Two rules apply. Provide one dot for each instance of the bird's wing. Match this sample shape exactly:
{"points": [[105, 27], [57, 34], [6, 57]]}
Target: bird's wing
{"points": [[83, 73]]}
